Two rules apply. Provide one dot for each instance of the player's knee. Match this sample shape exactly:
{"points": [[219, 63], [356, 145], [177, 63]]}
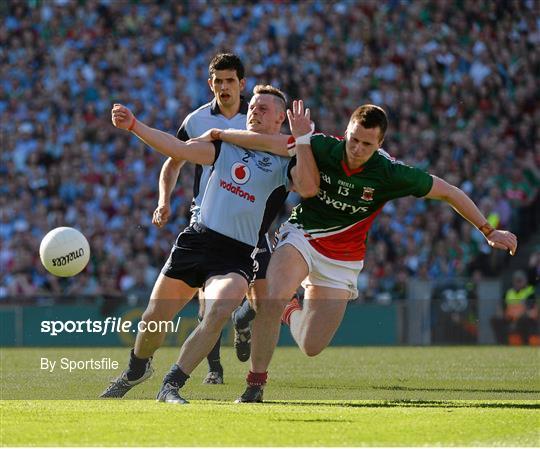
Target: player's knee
{"points": [[216, 316], [311, 349], [154, 313], [279, 293], [270, 306]]}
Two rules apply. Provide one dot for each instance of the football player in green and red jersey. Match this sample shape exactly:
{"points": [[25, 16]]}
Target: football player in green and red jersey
{"points": [[322, 245]]}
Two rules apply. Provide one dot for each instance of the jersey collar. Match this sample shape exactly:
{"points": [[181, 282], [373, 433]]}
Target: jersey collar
{"points": [[339, 155], [350, 172], [214, 109]]}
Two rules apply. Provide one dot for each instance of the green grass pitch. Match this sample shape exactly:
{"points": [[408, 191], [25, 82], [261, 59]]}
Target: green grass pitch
{"points": [[405, 396]]}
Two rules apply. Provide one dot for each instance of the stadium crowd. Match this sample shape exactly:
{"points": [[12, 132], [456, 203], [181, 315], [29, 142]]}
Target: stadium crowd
{"points": [[456, 78]]}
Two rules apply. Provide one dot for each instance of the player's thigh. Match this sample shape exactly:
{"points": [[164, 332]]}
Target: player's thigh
{"points": [[168, 296], [324, 308], [226, 286], [223, 293], [286, 270]]}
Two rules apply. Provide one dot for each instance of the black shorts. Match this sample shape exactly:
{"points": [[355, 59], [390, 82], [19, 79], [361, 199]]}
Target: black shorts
{"points": [[263, 257], [200, 253]]}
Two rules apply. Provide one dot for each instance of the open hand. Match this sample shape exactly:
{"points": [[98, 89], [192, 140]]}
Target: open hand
{"points": [[299, 119], [122, 117]]}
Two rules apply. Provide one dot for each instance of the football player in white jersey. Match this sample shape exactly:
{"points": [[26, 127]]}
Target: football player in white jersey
{"points": [[228, 109], [218, 257]]}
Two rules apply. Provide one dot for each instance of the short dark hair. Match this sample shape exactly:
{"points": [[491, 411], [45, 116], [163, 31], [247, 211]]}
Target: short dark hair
{"points": [[371, 116], [226, 61], [271, 90]]}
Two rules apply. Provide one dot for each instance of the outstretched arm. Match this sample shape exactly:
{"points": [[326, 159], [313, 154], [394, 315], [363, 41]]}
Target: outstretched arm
{"points": [[464, 206], [272, 143], [197, 152]]}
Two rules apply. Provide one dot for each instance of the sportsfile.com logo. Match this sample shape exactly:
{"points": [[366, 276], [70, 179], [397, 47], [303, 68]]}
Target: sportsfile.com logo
{"points": [[106, 326], [236, 190]]}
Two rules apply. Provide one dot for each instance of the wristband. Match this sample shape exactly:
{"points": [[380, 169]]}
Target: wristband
{"points": [[306, 138], [486, 229], [132, 124]]}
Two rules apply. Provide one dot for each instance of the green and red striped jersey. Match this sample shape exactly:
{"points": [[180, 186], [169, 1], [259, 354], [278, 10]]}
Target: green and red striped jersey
{"points": [[336, 221]]}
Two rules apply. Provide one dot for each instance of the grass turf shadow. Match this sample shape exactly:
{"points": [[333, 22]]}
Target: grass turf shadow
{"points": [[427, 389], [462, 390], [413, 403]]}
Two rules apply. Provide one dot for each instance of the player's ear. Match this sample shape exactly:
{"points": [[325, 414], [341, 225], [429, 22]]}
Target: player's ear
{"points": [[211, 85], [242, 84], [281, 117]]}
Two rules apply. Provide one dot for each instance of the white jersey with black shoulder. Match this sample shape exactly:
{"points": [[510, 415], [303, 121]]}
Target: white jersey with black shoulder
{"points": [[197, 123]]}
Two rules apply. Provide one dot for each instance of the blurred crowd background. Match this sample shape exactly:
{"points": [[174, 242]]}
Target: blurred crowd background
{"points": [[459, 80]]}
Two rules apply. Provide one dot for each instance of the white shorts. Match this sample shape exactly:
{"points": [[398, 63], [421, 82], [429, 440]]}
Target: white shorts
{"points": [[323, 271]]}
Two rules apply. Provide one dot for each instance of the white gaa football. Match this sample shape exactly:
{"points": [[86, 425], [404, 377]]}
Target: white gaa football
{"points": [[64, 252]]}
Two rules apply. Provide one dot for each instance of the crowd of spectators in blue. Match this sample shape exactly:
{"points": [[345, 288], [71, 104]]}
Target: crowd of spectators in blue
{"points": [[457, 78]]}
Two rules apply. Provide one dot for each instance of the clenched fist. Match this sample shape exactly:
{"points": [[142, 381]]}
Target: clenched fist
{"points": [[161, 215], [122, 117]]}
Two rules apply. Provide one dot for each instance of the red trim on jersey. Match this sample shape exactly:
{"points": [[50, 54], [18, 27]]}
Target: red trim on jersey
{"points": [[350, 172], [349, 245]]}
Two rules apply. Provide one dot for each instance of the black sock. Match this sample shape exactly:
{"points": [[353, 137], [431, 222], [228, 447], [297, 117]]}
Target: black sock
{"points": [[243, 315], [176, 377], [136, 367], [213, 357]]}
